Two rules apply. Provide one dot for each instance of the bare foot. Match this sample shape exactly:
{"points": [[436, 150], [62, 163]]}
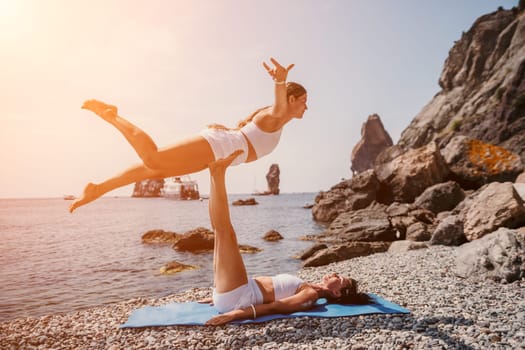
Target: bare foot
{"points": [[91, 193], [220, 165], [107, 112]]}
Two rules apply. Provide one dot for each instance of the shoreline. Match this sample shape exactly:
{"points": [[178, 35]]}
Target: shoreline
{"points": [[446, 312]]}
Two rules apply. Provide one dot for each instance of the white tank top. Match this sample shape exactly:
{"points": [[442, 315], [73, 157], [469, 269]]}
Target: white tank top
{"points": [[262, 142], [285, 285]]}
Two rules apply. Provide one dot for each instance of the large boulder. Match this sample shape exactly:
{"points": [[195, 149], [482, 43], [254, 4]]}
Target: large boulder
{"points": [[407, 176], [344, 252], [492, 206], [449, 231], [201, 240], [418, 232], [473, 163], [329, 204], [403, 216], [308, 252], [370, 224], [374, 139], [354, 194], [497, 256], [441, 197], [198, 240]]}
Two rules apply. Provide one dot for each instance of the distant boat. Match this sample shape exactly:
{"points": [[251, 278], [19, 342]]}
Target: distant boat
{"points": [[180, 188], [69, 197]]}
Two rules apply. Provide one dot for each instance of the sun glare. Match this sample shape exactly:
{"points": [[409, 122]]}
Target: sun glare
{"points": [[9, 9], [12, 20]]}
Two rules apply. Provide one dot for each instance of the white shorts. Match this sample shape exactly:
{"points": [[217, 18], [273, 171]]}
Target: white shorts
{"points": [[225, 142], [239, 298]]}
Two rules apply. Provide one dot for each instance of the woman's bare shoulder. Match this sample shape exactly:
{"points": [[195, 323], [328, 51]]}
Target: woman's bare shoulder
{"points": [[268, 121]]}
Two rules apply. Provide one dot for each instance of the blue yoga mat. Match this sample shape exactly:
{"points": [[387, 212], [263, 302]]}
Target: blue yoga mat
{"points": [[193, 313]]}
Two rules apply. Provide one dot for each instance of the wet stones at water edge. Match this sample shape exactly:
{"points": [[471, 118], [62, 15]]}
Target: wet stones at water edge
{"points": [[249, 201], [272, 236], [198, 240], [174, 267], [160, 237]]}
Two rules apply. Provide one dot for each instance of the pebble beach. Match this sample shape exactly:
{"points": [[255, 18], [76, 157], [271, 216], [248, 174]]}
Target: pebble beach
{"points": [[446, 313]]}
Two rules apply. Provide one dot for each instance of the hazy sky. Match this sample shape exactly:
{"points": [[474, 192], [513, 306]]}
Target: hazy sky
{"points": [[174, 66]]}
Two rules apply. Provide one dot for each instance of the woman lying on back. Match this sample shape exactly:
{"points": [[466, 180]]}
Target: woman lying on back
{"points": [[238, 296]]}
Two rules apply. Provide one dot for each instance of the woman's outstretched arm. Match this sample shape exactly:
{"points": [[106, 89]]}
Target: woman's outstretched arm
{"points": [[279, 74], [303, 300]]}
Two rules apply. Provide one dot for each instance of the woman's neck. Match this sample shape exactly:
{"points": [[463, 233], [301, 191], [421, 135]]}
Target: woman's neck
{"points": [[321, 290]]}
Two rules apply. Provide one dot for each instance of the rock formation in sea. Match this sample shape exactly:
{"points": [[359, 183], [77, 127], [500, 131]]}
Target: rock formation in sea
{"points": [[148, 188], [201, 240], [272, 177], [374, 140], [273, 180], [456, 175], [272, 236]]}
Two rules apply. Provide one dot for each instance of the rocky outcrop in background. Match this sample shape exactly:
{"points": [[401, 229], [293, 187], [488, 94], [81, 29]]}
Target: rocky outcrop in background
{"points": [[273, 179], [454, 175], [374, 140], [483, 88]]}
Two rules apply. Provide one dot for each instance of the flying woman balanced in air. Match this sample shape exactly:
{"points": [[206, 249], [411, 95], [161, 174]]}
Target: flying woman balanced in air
{"points": [[237, 296], [256, 135]]}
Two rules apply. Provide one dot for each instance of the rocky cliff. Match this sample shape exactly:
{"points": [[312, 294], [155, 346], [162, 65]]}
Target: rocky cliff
{"points": [[454, 175], [483, 88]]}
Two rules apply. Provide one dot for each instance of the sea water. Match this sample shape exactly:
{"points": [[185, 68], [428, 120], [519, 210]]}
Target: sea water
{"points": [[53, 261]]}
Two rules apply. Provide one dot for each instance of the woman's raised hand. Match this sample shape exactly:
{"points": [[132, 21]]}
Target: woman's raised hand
{"points": [[278, 73]]}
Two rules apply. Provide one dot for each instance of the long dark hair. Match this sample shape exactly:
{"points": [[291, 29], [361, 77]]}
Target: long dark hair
{"points": [[292, 89], [350, 295]]}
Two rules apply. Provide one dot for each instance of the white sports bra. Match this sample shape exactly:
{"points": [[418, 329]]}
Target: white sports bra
{"points": [[262, 142], [285, 285]]}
